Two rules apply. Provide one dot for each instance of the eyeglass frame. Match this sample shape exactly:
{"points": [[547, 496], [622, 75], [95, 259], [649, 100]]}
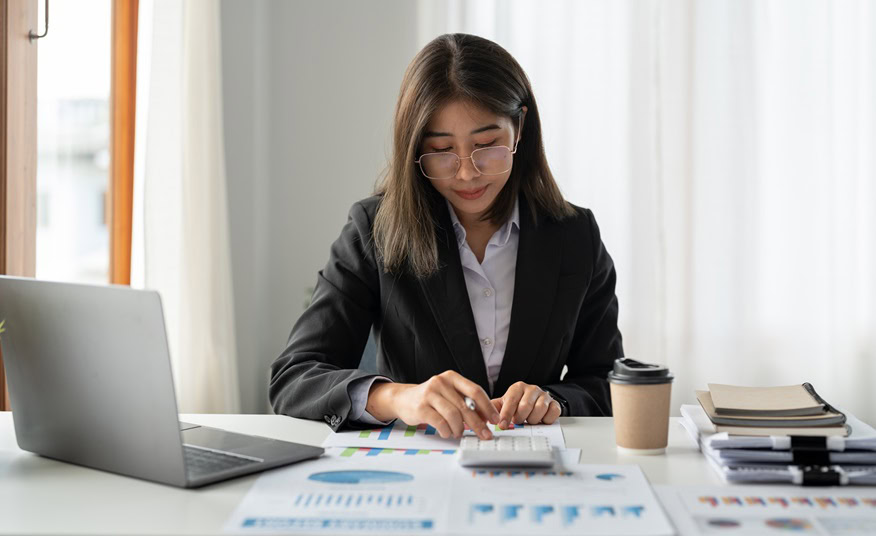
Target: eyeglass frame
{"points": [[459, 159]]}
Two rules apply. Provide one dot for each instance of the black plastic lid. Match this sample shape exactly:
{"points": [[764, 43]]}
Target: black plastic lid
{"points": [[630, 371]]}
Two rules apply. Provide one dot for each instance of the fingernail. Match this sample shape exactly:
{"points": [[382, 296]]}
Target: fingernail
{"points": [[504, 423], [485, 434]]}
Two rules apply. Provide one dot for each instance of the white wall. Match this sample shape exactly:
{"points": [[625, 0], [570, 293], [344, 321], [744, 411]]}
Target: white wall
{"points": [[309, 91], [708, 216]]}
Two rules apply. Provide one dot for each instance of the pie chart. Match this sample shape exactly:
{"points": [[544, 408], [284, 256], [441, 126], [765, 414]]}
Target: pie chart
{"points": [[360, 477]]}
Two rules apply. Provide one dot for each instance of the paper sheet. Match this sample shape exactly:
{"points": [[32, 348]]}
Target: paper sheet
{"points": [[394, 492], [581, 499], [766, 510], [400, 435], [365, 494]]}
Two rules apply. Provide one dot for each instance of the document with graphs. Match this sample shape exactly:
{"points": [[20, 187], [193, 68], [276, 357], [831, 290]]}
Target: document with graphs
{"points": [[401, 435], [765, 510], [365, 490]]}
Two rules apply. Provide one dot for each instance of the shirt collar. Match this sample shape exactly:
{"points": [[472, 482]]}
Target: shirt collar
{"points": [[499, 238]]}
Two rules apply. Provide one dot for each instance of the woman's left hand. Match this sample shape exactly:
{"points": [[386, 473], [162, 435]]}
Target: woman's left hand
{"points": [[524, 402]]}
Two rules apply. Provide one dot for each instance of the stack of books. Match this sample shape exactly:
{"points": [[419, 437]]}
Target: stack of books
{"points": [[780, 434], [771, 411]]}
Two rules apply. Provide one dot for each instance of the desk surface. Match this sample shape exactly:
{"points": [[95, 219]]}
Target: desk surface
{"points": [[39, 495]]}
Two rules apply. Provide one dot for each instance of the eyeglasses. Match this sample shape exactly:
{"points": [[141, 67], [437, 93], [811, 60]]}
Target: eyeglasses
{"points": [[486, 160]]}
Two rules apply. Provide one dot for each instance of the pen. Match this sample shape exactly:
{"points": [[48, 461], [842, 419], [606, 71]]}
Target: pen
{"points": [[470, 404]]}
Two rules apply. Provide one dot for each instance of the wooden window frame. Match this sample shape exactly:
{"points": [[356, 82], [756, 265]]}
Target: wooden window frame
{"points": [[123, 99], [18, 57]]}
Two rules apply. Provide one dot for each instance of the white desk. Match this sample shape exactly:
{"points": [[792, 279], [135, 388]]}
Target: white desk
{"points": [[39, 495]]}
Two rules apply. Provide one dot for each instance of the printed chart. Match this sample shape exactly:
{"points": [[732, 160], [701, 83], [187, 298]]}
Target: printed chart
{"points": [[312, 500], [400, 494], [355, 452], [578, 499], [771, 510], [362, 495], [499, 515], [423, 437], [397, 436]]}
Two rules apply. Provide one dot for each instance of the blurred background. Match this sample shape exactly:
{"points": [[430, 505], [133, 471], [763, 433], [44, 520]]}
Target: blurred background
{"points": [[726, 149]]}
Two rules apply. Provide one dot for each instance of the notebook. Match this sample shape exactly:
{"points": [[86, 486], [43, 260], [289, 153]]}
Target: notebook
{"points": [[783, 401], [819, 422]]}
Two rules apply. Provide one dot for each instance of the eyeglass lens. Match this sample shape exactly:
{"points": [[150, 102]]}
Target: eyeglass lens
{"points": [[487, 160]]}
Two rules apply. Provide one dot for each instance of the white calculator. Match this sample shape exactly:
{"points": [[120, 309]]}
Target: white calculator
{"points": [[507, 451]]}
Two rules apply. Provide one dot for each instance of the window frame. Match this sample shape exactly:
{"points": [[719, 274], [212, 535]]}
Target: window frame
{"points": [[123, 100], [18, 79]]}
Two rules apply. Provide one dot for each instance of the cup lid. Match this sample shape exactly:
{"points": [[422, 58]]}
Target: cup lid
{"points": [[630, 371]]}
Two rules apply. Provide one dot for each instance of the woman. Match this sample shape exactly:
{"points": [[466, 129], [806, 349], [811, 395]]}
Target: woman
{"points": [[475, 275]]}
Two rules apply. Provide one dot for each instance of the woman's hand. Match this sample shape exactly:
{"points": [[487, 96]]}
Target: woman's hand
{"points": [[438, 402], [524, 402]]}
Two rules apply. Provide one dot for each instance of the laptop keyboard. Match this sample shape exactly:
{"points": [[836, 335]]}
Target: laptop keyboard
{"points": [[201, 461]]}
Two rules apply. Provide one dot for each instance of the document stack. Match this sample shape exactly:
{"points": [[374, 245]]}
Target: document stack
{"points": [[780, 434]]}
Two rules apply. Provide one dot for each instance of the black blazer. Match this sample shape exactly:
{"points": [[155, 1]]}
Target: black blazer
{"points": [[564, 312]]}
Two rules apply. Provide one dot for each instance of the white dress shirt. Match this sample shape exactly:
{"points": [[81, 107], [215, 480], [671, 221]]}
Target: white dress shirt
{"points": [[490, 286]]}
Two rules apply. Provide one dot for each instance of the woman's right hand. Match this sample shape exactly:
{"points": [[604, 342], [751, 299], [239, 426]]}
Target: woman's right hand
{"points": [[438, 402]]}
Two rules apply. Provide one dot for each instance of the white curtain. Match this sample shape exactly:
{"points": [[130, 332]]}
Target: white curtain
{"points": [[728, 150], [181, 238]]}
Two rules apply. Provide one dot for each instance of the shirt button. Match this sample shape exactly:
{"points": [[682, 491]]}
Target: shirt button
{"points": [[488, 292], [488, 341]]}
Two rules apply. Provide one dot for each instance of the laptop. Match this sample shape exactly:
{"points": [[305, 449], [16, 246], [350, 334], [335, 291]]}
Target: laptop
{"points": [[89, 376]]}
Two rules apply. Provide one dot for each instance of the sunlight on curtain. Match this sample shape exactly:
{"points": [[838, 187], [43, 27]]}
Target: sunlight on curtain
{"points": [[181, 239], [726, 149]]}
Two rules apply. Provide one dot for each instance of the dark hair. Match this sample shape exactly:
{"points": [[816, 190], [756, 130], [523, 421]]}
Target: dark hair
{"points": [[478, 71]]}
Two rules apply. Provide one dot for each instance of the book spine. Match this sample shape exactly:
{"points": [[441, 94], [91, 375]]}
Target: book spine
{"points": [[817, 397]]}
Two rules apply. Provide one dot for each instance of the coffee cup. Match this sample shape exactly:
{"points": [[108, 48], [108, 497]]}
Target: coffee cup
{"points": [[640, 403]]}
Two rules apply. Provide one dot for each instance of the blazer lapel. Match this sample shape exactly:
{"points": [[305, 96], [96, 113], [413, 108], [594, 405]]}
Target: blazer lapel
{"points": [[539, 253], [448, 299]]}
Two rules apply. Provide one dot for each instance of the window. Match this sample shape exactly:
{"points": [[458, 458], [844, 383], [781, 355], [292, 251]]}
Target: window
{"points": [[73, 137]]}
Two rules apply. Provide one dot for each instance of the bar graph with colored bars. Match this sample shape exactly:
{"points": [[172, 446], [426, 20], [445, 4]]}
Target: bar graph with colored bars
{"points": [[349, 501], [538, 514], [371, 451], [822, 502], [383, 434], [519, 473]]}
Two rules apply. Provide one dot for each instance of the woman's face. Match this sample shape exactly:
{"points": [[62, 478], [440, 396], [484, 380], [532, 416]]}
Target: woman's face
{"points": [[460, 128]]}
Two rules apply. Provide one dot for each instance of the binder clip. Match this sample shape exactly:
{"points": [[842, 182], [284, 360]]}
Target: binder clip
{"points": [[812, 460], [822, 475]]}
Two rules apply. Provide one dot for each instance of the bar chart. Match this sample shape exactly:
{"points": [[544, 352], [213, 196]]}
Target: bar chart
{"points": [[519, 473], [395, 436], [425, 437], [535, 515], [342, 500], [766, 510], [351, 452], [385, 433]]}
